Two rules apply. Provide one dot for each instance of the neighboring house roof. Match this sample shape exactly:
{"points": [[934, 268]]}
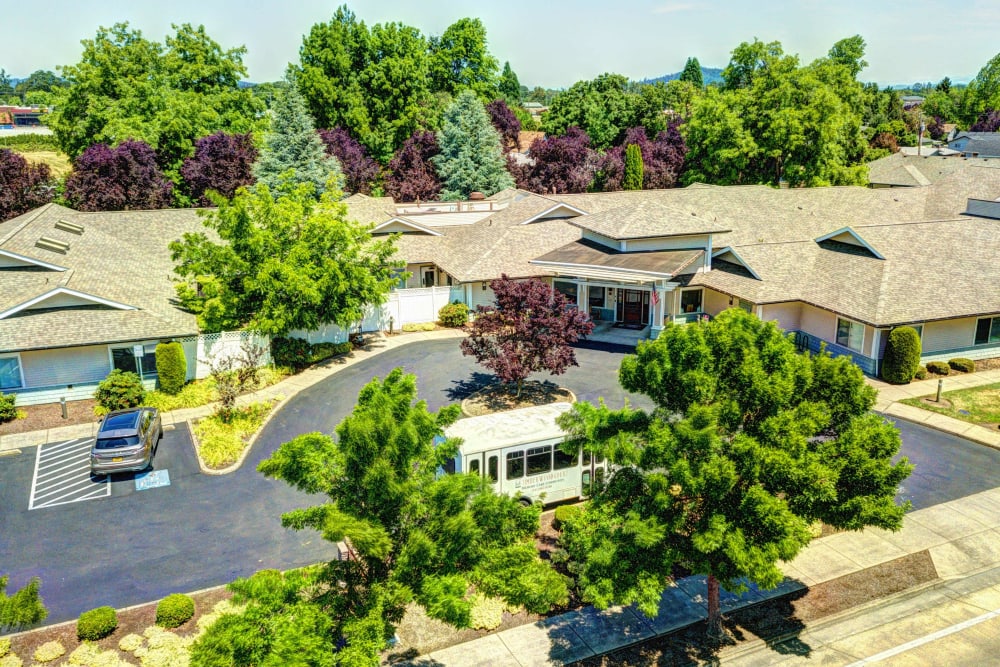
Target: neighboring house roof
{"points": [[527, 137], [74, 278], [903, 170], [988, 146]]}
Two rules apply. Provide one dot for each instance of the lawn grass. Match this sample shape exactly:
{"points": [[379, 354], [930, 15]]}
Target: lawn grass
{"points": [[981, 405], [59, 163], [221, 441]]}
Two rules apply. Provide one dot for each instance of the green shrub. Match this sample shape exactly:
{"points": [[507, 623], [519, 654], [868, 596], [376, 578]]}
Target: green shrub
{"points": [[23, 608], [321, 351], [174, 610], [49, 651], [902, 355], [221, 440], [11, 660], [565, 512], [938, 367], [4, 646], [96, 623], [487, 612], [121, 389], [421, 326], [454, 314], [962, 364], [171, 366], [8, 412], [292, 352], [921, 373]]}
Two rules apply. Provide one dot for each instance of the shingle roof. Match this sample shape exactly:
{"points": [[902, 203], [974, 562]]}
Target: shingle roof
{"points": [[915, 171]]}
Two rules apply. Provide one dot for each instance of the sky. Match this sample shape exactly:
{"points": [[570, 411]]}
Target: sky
{"points": [[548, 43]]}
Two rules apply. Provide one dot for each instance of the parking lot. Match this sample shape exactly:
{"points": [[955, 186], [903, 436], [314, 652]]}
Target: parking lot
{"points": [[62, 475]]}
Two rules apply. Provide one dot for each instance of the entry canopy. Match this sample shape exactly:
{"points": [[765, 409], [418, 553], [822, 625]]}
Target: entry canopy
{"points": [[587, 259]]}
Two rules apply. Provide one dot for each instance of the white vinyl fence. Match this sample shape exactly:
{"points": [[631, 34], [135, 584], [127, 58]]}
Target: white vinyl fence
{"points": [[204, 350]]}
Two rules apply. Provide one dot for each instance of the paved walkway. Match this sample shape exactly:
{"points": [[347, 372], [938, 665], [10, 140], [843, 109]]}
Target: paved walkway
{"points": [[890, 395], [282, 390]]}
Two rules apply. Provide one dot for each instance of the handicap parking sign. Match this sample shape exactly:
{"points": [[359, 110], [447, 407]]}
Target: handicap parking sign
{"points": [[151, 480]]}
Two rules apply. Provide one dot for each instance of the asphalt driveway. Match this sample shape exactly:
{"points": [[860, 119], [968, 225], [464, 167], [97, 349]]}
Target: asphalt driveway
{"points": [[203, 530]]}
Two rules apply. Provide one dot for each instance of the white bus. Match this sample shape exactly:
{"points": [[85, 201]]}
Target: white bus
{"points": [[519, 451]]}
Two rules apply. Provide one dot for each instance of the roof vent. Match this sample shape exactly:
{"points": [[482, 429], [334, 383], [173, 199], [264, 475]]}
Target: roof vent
{"points": [[476, 196], [70, 227], [46, 243]]}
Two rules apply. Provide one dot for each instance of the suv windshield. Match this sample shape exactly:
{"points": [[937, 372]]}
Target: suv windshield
{"points": [[114, 443]]}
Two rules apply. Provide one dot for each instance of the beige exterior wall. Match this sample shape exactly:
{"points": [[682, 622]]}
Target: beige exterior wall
{"points": [[73, 365], [672, 243], [818, 322], [869, 340], [480, 296], [787, 315], [713, 302], [948, 335], [416, 278]]}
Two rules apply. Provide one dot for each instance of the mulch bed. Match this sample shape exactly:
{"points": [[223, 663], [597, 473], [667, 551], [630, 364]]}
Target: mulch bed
{"points": [[49, 415], [776, 622], [132, 621], [500, 398]]}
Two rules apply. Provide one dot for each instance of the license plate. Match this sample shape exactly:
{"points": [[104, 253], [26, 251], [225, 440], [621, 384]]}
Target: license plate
{"points": [[117, 459]]}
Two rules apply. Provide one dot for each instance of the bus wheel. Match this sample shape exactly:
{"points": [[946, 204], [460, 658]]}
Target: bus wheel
{"points": [[524, 501]]}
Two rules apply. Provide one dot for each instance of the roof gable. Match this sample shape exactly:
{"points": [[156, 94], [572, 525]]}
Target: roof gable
{"points": [[728, 254], [403, 226], [850, 237], [63, 297], [10, 259], [560, 210]]}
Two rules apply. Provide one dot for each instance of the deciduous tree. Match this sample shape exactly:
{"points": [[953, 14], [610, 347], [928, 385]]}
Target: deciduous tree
{"points": [[460, 60], [411, 535], [471, 158], [558, 164], [222, 163], [529, 328], [285, 262], [412, 175], [22, 609], [505, 122], [23, 186], [988, 121], [360, 170], [751, 442], [603, 108], [118, 179], [983, 92]]}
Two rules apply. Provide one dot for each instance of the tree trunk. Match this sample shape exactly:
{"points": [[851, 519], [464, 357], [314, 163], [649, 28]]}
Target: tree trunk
{"points": [[714, 612]]}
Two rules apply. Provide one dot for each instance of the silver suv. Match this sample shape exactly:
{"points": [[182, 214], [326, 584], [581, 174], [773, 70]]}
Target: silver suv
{"points": [[125, 441]]}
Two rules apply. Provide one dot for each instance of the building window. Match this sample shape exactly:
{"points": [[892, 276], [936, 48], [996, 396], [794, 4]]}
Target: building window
{"points": [[10, 372], [746, 305], [988, 330], [850, 334], [428, 276], [691, 301], [568, 290], [595, 296], [124, 359]]}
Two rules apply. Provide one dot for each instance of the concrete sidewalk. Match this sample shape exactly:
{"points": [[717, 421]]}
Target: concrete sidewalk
{"points": [[284, 389], [961, 537], [889, 396]]}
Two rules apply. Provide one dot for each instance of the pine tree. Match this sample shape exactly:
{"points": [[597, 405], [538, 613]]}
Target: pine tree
{"points": [[633, 168], [293, 149], [692, 73], [510, 87], [471, 158]]}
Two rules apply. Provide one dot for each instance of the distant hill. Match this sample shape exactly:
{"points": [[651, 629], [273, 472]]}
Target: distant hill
{"points": [[708, 74]]}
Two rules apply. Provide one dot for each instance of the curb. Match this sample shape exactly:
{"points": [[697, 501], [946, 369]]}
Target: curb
{"points": [[938, 428], [466, 413], [246, 449]]}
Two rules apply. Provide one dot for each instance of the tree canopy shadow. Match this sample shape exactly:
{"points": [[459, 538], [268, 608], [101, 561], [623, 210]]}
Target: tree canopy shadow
{"points": [[462, 389]]}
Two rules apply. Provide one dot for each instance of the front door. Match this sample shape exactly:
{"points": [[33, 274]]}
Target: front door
{"points": [[633, 306]]}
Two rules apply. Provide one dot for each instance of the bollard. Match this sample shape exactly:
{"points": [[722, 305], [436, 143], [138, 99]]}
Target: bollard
{"points": [[938, 398], [62, 402]]}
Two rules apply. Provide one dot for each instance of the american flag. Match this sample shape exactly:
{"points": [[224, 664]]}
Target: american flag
{"points": [[655, 298]]}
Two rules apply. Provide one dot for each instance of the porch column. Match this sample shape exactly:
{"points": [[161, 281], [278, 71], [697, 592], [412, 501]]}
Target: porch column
{"points": [[582, 296], [658, 302]]}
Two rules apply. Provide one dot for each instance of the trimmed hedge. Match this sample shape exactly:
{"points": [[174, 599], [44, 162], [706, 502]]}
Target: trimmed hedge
{"points": [[299, 353], [962, 364], [171, 366], [902, 355], [120, 390], [921, 373], [938, 367], [96, 623], [454, 314], [174, 610], [8, 411], [564, 513]]}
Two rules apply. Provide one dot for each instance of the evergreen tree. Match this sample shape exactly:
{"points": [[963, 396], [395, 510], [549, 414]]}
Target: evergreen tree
{"points": [[510, 87], [633, 168], [22, 609], [692, 73], [471, 158], [292, 148], [750, 443]]}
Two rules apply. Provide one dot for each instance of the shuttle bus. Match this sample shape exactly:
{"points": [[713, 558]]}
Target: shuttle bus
{"points": [[518, 451]]}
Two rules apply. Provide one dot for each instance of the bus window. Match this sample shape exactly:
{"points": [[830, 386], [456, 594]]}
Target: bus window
{"points": [[515, 465], [492, 471], [585, 483], [599, 477], [450, 466], [539, 460], [598, 459], [474, 466], [563, 460], [586, 459]]}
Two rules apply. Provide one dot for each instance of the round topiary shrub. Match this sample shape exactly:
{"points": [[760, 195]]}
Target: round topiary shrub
{"points": [[96, 623], [938, 367], [49, 651], [171, 366], [962, 364], [454, 314], [120, 390], [902, 355], [921, 373], [174, 610]]}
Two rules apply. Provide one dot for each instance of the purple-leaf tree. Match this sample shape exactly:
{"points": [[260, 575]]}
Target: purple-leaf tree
{"points": [[23, 186], [221, 162], [529, 328], [936, 128], [563, 164], [117, 179], [662, 159], [988, 121], [360, 170], [506, 123], [412, 175]]}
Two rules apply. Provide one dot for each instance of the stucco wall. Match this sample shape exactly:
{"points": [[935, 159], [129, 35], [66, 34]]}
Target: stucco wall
{"points": [[74, 365], [949, 335], [713, 302], [818, 322], [787, 315]]}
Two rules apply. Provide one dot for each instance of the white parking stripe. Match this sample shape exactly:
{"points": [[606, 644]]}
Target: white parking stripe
{"points": [[62, 475], [926, 639]]}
